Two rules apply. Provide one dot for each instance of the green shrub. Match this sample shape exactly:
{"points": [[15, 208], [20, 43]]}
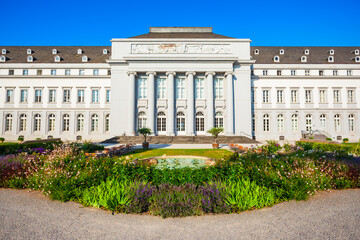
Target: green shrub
{"points": [[2, 139], [345, 140], [90, 147], [20, 138], [328, 139], [13, 148]]}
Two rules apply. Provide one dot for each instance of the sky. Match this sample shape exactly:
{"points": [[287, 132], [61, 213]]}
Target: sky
{"points": [[95, 23]]}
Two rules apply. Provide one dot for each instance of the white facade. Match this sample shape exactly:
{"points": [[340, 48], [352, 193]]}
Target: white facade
{"points": [[178, 81]]}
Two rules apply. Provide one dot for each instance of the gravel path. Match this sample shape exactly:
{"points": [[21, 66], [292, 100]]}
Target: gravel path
{"points": [[31, 215]]}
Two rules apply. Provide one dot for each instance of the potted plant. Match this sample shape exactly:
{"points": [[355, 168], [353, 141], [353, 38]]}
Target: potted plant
{"points": [[145, 132], [345, 140], [215, 131], [21, 139], [2, 139]]}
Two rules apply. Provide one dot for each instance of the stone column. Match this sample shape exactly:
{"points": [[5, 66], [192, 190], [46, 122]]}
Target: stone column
{"points": [[190, 123], [171, 104], [132, 107], [210, 99], [229, 104], [151, 101]]}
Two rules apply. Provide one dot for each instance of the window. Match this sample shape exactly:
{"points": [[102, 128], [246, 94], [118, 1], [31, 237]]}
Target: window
{"points": [[109, 72], [294, 96], [54, 51], [337, 97], [95, 96], [219, 120], [142, 88], [276, 59], [308, 122], [38, 95], [107, 122], [351, 123], [308, 96], [322, 122], [266, 123], [105, 51], [219, 88], [66, 123], [2, 58], [57, 59], [9, 95], [25, 72], [337, 122], [321, 73], [307, 72], [161, 88], [67, 72], [331, 51], [281, 51], [265, 96], [8, 122], [279, 96], [357, 52], [52, 96], [280, 122], [11, 72], [294, 122], [351, 96], [66, 95], [28, 51], [265, 72], [278, 72], [142, 120], [80, 123], [81, 96], [293, 72], [199, 88], [180, 122], [37, 122], [81, 72], [253, 123], [3, 51], [51, 121], [304, 59], [95, 72], [307, 52], [349, 72], [335, 72], [253, 97], [256, 51], [94, 123], [331, 59], [30, 59], [199, 122], [357, 59], [108, 95], [39, 72], [180, 88], [322, 96], [79, 51], [84, 59], [161, 122], [23, 95], [53, 72], [22, 125]]}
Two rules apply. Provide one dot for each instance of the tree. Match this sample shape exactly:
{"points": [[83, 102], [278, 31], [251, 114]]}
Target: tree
{"points": [[145, 132], [215, 131]]}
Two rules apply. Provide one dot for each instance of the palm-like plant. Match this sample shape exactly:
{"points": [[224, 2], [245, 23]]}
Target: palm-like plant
{"points": [[145, 132], [215, 131]]}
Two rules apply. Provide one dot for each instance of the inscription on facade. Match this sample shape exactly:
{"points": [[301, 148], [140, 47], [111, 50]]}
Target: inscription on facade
{"points": [[180, 48]]}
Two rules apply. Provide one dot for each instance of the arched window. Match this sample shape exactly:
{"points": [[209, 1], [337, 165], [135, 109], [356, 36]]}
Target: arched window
{"points": [[51, 122], [142, 120], [8, 122], [37, 122], [294, 122], [308, 122], [161, 122], [57, 59], [94, 123], [351, 123], [219, 119], [280, 121], [80, 123], [66, 123], [200, 122], [337, 122], [180, 122], [22, 125], [84, 58], [107, 122], [322, 122], [266, 123]]}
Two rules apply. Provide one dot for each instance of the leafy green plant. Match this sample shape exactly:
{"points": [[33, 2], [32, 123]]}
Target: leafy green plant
{"points": [[145, 132], [2, 139], [215, 131], [90, 147], [345, 140], [20, 138], [328, 139]]}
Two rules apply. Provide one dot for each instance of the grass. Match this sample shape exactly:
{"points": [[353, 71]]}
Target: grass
{"points": [[211, 153]]}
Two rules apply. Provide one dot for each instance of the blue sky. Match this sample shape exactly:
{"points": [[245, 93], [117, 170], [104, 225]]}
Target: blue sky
{"points": [[267, 23]]}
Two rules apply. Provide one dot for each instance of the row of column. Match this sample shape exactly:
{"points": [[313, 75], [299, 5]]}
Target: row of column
{"points": [[190, 124]]}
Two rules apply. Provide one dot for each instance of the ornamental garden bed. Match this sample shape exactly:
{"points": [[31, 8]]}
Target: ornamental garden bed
{"points": [[251, 178]]}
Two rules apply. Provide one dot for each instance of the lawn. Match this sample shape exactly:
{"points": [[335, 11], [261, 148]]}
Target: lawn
{"points": [[211, 153]]}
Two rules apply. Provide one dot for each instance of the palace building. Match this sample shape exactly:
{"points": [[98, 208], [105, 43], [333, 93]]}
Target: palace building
{"points": [[179, 81]]}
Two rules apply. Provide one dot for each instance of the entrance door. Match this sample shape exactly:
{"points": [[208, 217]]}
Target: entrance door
{"points": [[161, 123], [200, 124]]}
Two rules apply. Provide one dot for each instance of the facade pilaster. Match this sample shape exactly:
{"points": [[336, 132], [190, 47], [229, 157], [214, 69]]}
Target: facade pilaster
{"points": [[171, 103], [151, 101], [132, 107], [210, 99], [229, 104], [190, 128]]}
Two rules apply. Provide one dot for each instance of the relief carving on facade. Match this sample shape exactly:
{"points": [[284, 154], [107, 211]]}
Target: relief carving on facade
{"points": [[181, 48]]}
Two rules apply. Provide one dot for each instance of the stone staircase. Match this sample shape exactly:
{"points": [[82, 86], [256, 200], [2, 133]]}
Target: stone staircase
{"points": [[180, 140]]}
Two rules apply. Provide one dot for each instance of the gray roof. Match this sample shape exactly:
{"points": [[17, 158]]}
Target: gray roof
{"points": [[292, 55], [43, 54]]}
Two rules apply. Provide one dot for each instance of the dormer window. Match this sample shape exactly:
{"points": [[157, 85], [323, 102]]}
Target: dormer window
{"points": [[357, 59], [2, 58], [276, 59], [105, 51], [54, 51], [281, 51], [330, 59], [30, 59], [28, 51], [303, 59], [256, 51], [3, 51], [79, 51], [84, 58], [307, 51], [357, 52], [57, 59], [332, 52]]}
